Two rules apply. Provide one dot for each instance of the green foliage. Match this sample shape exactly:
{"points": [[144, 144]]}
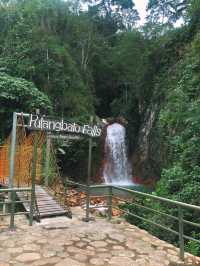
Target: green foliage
{"points": [[167, 10], [19, 95], [192, 15], [176, 89], [179, 122], [96, 61], [120, 13], [37, 48], [192, 246]]}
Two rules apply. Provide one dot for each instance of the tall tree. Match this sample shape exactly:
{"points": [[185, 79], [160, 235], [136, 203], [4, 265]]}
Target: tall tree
{"points": [[120, 12], [167, 11], [19, 95], [36, 46]]}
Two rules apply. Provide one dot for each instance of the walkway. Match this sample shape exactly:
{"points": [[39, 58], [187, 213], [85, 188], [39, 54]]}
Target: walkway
{"points": [[64, 242], [47, 206]]}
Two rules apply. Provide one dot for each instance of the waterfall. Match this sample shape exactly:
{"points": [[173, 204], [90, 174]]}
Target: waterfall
{"points": [[117, 169]]}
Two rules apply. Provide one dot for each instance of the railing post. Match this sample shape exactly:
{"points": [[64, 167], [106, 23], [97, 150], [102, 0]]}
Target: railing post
{"points": [[181, 233], [31, 209], [12, 211], [87, 214], [6, 206], [109, 202], [65, 191]]}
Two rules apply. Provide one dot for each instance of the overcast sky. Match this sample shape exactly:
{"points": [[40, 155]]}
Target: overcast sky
{"points": [[141, 7]]}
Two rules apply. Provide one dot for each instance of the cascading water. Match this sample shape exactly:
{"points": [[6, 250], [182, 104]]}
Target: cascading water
{"points": [[117, 169]]}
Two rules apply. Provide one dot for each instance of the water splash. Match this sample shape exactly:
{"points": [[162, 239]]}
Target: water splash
{"points": [[117, 169]]}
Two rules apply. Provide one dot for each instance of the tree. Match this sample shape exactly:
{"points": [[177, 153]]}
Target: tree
{"points": [[192, 15], [166, 11], [19, 95], [121, 12], [38, 47]]}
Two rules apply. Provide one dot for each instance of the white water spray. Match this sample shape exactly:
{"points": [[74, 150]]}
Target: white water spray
{"points": [[117, 169]]}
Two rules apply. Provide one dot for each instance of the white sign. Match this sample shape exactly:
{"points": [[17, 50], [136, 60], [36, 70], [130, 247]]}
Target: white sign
{"points": [[43, 123], [65, 137]]}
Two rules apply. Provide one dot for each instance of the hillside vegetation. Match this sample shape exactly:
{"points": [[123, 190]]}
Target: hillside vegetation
{"points": [[76, 62]]}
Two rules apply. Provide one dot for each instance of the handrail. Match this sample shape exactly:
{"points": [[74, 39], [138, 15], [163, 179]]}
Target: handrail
{"points": [[76, 183], [173, 202], [12, 202], [25, 189], [110, 194]]}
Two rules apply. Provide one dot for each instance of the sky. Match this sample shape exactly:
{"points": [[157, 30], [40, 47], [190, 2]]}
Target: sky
{"points": [[141, 8]]}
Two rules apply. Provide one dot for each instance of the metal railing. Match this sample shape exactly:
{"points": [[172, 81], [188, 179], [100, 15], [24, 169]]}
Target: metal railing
{"points": [[9, 205], [112, 192]]}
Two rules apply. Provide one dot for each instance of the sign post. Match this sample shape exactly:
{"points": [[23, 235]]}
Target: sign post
{"points": [[48, 148], [87, 218], [12, 152]]}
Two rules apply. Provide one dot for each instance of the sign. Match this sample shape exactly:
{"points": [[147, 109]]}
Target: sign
{"points": [[44, 123], [65, 137]]}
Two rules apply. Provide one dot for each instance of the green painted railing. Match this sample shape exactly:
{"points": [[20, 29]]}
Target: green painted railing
{"points": [[9, 205], [114, 192]]}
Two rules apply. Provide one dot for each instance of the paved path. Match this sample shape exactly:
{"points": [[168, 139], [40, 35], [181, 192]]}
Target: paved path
{"points": [[64, 242]]}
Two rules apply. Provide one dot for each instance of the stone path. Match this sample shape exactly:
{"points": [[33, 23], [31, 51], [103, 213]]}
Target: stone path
{"points": [[65, 242]]}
